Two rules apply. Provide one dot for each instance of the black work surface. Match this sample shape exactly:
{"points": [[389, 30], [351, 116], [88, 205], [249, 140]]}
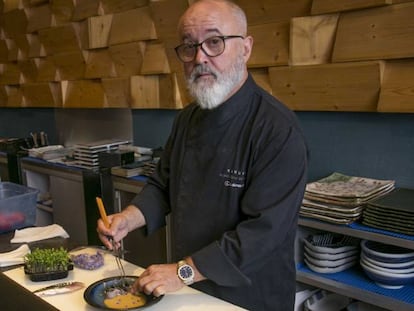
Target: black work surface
{"points": [[16, 297]]}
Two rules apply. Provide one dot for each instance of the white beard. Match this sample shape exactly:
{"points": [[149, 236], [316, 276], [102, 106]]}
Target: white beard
{"points": [[210, 95]]}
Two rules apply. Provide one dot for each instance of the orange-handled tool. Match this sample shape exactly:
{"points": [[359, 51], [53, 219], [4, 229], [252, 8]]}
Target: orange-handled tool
{"points": [[102, 212], [117, 251]]}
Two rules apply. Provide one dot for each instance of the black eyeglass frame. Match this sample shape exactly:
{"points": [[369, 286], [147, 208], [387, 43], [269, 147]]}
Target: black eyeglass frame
{"points": [[196, 45]]}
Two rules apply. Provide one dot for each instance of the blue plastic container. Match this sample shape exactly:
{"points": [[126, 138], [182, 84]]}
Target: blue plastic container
{"points": [[17, 206]]}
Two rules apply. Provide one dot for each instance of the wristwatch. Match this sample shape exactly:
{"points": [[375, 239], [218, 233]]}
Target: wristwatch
{"points": [[185, 272]]}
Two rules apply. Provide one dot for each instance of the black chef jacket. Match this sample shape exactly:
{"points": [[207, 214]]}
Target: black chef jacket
{"points": [[232, 179]]}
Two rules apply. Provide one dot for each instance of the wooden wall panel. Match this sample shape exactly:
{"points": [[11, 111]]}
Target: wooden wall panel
{"points": [[14, 96], [83, 93], [312, 39], [3, 96], [271, 44], [11, 5], [166, 15], [139, 20], [13, 50], [70, 65], [47, 70], [155, 59], [397, 91], [29, 70], [145, 91], [99, 64], [332, 6], [329, 87], [116, 6], [38, 17], [265, 11], [84, 9], [124, 51], [36, 49], [117, 92], [60, 39], [11, 74], [22, 44], [98, 31], [62, 11], [46, 94], [380, 33], [14, 22], [127, 58], [4, 51]]}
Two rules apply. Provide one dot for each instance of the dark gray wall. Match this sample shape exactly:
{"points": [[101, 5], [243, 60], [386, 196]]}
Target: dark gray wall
{"points": [[152, 126], [18, 122], [376, 145], [361, 144]]}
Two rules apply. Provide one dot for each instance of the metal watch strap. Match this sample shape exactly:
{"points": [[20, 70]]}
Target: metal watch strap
{"points": [[186, 281]]}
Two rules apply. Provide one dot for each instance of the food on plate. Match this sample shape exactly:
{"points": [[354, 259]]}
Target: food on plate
{"points": [[88, 261], [121, 300]]}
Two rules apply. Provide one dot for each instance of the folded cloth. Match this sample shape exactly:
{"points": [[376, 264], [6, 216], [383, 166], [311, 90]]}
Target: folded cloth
{"points": [[28, 235], [15, 257]]}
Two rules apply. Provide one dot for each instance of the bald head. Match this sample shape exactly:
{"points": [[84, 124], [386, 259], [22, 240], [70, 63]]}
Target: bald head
{"points": [[232, 16]]}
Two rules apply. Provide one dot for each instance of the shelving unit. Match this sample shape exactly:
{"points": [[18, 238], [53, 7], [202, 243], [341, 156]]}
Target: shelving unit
{"points": [[353, 282], [67, 189]]}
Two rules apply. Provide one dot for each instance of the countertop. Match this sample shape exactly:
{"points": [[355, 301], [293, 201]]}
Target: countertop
{"points": [[185, 299]]}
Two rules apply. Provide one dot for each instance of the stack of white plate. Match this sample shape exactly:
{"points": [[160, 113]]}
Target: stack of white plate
{"points": [[330, 253], [387, 265]]}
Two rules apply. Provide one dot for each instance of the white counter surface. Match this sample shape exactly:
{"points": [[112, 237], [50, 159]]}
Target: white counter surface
{"points": [[186, 299]]}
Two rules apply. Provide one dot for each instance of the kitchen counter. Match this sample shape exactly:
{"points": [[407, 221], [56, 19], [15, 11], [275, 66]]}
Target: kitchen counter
{"points": [[186, 299]]}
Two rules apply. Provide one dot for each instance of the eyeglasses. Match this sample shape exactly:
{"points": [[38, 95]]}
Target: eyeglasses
{"points": [[212, 47]]}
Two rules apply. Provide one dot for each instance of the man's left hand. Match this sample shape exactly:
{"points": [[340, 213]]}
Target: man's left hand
{"points": [[158, 280]]}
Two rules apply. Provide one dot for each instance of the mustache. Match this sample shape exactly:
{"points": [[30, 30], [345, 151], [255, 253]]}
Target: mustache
{"points": [[200, 70]]}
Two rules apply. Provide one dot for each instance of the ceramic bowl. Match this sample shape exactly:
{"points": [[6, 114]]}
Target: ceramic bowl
{"points": [[386, 279], [389, 265], [386, 253], [388, 270], [331, 243], [330, 263], [327, 256], [336, 269]]}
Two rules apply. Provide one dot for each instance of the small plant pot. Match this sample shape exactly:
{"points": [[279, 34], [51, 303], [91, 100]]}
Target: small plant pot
{"points": [[47, 264], [40, 276]]}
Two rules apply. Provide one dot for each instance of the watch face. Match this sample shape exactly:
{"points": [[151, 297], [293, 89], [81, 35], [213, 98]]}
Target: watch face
{"points": [[186, 272]]}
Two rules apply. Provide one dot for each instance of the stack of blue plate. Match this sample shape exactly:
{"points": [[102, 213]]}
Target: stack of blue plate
{"points": [[330, 253], [387, 265]]}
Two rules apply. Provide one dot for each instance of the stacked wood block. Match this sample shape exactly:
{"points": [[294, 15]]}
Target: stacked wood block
{"points": [[350, 56], [322, 55], [91, 54]]}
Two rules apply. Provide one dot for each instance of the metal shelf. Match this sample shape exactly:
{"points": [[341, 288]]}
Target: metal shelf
{"points": [[343, 229], [317, 280], [358, 293]]}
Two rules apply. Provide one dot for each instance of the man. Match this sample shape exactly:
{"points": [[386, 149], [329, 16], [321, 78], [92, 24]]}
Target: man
{"points": [[232, 175]]}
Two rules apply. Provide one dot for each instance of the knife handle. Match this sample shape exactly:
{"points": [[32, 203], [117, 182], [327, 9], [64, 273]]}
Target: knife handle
{"points": [[102, 212]]}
